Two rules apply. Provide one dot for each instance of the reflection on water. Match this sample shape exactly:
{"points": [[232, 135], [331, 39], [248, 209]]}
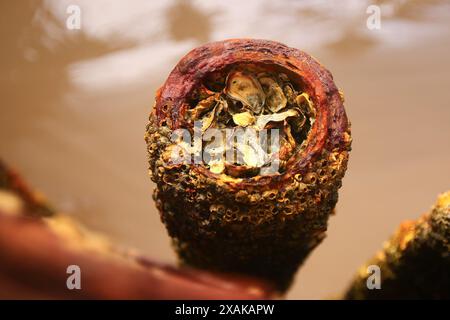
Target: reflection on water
{"points": [[165, 30], [74, 105], [185, 22]]}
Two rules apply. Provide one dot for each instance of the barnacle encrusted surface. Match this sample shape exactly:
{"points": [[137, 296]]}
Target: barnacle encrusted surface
{"points": [[415, 262], [231, 216]]}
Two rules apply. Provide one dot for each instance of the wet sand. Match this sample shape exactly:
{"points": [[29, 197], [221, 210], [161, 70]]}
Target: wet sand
{"points": [[75, 129]]}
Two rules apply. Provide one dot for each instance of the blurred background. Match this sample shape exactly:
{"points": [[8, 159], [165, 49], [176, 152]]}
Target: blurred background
{"points": [[74, 105]]}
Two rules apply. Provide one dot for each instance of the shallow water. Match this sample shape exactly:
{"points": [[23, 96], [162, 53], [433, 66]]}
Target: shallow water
{"points": [[74, 105]]}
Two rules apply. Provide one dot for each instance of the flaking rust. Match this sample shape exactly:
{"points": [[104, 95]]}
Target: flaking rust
{"points": [[229, 216], [415, 262]]}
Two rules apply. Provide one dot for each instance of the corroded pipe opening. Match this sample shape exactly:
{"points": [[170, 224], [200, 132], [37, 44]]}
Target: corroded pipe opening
{"points": [[234, 214]]}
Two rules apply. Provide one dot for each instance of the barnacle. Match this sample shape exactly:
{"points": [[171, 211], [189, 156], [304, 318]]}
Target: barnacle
{"points": [[257, 198], [414, 263]]}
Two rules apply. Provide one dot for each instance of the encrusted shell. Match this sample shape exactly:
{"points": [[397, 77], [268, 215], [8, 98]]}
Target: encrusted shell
{"points": [[246, 89], [275, 98], [243, 119], [264, 119]]}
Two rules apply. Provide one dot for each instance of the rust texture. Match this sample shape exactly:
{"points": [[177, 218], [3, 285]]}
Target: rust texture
{"points": [[263, 225], [415, 262]]}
